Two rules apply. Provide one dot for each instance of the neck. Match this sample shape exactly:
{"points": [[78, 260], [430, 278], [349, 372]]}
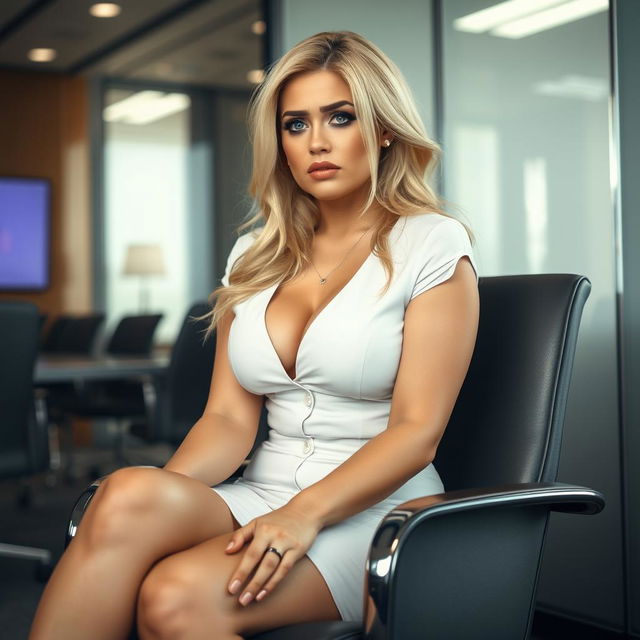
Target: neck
{"points": [[339, 218]]}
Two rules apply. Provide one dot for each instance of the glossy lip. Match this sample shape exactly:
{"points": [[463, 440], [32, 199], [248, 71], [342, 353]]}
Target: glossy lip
{"points": [[321, 165]]}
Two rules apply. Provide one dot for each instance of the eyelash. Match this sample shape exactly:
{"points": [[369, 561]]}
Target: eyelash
{"points": [[289, 124]]}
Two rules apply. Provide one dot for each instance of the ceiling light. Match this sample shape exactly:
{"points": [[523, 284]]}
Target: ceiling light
{"points": [[258, 27], [255, 76], [42, 55], [146, 106], [105, 10], [554, 17], [486, 19]]}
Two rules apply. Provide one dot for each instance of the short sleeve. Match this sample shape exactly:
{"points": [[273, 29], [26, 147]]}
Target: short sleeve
{"points": [[438, 255], [240, 246]]}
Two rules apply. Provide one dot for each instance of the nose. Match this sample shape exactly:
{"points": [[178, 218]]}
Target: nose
{"points": [[318, 142]]}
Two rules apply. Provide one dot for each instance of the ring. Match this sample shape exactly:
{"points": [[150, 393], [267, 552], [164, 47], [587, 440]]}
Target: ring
{"points": [[274, 551]]}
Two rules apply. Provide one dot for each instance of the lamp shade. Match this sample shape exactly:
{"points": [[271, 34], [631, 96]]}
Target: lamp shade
{"points": [[144, 260]]}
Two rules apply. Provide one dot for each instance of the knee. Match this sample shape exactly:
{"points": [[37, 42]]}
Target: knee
{"points": [[173, 601], [124, 496]]}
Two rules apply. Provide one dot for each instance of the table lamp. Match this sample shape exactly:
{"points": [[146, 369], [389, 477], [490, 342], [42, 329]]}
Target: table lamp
{"points": [[144, 260]]}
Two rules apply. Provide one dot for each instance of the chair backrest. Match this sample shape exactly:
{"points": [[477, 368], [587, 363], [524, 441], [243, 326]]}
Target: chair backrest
{"points": [[506, 426], [20, 452], [133, 335], [189, 378], [72, 334], [189, 375]]}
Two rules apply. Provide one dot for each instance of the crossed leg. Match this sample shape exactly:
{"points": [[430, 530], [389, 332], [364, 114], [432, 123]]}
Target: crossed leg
{"points": [[138, 518], [185, 596]]}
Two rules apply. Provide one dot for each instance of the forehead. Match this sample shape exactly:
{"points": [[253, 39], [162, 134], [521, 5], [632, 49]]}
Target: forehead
{"points": [[311, 89]]}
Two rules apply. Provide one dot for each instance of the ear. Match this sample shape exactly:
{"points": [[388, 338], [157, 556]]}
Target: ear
{"points": [[385, 135]]}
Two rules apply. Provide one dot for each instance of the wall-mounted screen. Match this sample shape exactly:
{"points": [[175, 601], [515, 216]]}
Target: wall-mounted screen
{"points": [[24, 233]]}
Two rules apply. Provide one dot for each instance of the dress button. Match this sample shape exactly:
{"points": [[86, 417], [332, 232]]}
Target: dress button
{"points": [[307, 400], [307, 446]]}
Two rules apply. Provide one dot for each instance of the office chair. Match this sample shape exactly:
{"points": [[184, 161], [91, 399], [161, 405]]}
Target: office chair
{"points": [[465, 563], [122, 400], [186, 385], [72, 334], [23, 445]]}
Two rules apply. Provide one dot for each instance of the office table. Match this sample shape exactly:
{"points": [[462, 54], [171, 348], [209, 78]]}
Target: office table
{"points": [[58, 369]]}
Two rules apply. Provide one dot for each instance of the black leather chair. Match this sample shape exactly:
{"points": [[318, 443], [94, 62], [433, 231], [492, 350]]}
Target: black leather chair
{"points": [[23, 445], [188, 379], [465, 563], [123, 400], [72, 334]]}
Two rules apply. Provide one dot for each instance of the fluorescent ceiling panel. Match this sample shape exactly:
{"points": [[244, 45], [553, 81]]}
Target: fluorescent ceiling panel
{"points": [[491, 17], [550, 18], [146, 106]]}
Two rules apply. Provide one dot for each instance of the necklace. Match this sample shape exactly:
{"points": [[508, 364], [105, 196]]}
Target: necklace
{"points": [[323, 280]]}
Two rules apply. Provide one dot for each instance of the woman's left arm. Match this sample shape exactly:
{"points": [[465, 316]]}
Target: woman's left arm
{"points": [[440, 328]]}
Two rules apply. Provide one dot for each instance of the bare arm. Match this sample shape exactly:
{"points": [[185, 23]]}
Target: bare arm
{"points": [[220, 440], [439, 336]]}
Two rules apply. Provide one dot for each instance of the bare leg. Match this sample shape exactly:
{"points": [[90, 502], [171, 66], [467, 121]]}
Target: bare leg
{"points": [[185, 596], [137, 516]]}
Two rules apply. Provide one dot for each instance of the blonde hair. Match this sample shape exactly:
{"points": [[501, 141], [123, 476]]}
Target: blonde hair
{"points": [[382, 101]]}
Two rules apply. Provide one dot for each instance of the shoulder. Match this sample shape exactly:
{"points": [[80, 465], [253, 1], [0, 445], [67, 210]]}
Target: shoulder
{"points": [[420, 226], [241, 244]]}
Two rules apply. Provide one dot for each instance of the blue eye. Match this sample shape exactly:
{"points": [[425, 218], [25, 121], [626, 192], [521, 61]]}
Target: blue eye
{"points": [[290, 125]]}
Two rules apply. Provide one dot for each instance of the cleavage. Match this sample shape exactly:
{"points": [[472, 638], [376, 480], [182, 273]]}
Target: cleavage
{"points": [[294, 307]]}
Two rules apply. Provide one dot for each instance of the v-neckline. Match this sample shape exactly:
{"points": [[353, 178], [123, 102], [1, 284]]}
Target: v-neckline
{"points": [[312, 321]]}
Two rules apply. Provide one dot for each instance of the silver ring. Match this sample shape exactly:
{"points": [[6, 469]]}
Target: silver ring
{"points": [[274, 550]]}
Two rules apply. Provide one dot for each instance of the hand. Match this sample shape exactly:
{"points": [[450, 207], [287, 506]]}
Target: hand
{"points": [[288, 530]]}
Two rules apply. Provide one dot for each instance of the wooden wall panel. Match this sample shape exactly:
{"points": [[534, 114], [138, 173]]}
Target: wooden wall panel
{"points": [[44, 133]]}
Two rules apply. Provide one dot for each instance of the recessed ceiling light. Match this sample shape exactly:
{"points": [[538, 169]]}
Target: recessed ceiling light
{"points": [[42, 54], [259, 27], [105, 10]]}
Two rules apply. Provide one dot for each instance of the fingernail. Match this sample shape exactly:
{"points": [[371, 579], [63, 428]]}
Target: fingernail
{"points": [[229, 546], [246, 598], [235, 585], [261, 595]]}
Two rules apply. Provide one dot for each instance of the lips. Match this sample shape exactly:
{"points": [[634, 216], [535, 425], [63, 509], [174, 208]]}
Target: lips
{"points": [[319, 166]]}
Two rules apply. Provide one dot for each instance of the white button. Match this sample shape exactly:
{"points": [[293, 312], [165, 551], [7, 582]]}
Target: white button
{"points": [[307, 400], [308, 445]]}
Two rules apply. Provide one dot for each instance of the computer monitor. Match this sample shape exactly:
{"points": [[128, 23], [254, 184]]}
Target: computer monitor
{"points": [[25, 212]]}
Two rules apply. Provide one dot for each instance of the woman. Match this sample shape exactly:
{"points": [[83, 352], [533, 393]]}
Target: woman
{"points": [[320, 316]]}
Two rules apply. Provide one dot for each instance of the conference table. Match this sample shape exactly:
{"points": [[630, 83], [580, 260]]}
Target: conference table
{"points": [[60, 369], [52, 369]]}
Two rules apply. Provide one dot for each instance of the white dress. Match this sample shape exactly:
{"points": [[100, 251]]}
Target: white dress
{"points": [[345, 368]]}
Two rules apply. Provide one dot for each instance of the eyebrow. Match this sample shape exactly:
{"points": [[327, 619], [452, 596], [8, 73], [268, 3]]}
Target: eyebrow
{"points": [[327, 107]]}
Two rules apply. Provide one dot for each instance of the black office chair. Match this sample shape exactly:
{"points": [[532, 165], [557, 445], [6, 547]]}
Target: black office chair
{"points": [[23, 446], [72, 334], [122, 400], [188, 379], [465, 563]]}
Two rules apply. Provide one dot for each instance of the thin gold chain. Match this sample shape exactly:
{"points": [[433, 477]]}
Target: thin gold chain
{"points": [[323, 280]]}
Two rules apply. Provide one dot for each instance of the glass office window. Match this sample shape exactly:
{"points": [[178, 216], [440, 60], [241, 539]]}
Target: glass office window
{"points": [[146, 147], [526, 162]]}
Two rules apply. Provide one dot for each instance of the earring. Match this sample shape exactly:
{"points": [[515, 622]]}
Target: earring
{"points": [[387, 143]]}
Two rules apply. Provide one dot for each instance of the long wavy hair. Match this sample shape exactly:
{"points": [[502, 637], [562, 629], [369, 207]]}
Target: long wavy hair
{"points": [[399, 173]]}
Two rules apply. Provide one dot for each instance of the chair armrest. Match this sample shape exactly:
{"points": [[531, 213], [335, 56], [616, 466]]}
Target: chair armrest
{"points": [[483, 545]]}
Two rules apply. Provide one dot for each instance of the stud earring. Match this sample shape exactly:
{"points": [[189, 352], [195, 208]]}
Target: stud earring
{"points": [[387, 143]]}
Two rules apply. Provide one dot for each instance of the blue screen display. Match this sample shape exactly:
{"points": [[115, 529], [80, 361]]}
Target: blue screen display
{"points": [[24, 233]]}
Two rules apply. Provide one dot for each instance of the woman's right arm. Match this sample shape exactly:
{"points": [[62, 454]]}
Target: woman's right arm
{"points": [[220, 440]]}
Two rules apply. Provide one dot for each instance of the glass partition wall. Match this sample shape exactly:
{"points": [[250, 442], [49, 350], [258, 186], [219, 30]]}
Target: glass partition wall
{"points": [[525, 130], [146, 147]]}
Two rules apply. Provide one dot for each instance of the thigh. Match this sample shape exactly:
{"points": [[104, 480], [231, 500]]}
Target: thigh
{"points": [[160, 511], [198, 577]]}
